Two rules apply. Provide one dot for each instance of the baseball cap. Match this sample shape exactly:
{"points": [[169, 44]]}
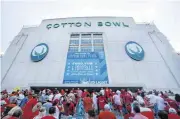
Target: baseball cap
{"points": [[106, 107], [172, 110]]}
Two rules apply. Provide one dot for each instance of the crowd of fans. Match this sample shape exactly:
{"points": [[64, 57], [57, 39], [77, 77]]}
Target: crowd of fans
{"points": [[102, 104]]}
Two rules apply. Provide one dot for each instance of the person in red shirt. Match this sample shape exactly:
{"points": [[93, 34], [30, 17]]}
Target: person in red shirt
{"points": [[6, 99], [69, 107], [84, 94], [107, 92], [27, 112], [106, 114], [172, 103], [87, 103], [128, 98], [123, 93], [129, 114], [52, 111], [62, 92], [101, 102]]}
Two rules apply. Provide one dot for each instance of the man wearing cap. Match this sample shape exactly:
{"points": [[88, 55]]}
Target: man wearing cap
{"points": [[102, 91], [173, 114], [106, 114], [47, 105], [117, 101]]}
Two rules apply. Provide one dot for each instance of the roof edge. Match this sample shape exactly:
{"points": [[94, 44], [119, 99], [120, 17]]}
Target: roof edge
{"points": [[87, 17]]}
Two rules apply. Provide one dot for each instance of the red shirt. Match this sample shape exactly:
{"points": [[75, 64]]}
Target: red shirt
{"points": [[87, 103], [128, 98], [107, 93], [28, 114], [85, 94], [6, 100], [172, 103], [123, 93], [68, 108], [12, 117], [106, 115], [62, 92], [101, 102], [173, 116], [126, 116], [48, 117]]}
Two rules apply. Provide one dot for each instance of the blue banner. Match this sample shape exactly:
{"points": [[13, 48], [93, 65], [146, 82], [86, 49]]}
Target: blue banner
{"points": [[86, 68]]}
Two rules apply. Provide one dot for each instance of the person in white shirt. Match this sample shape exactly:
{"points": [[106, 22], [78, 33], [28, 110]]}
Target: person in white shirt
{"points": [[95, 101], [152, 98], [118, 92], [117, 102], [57, 96], [57, 112], [139, 99], [160, 103], [144, 109], [20, 97], [44, 92], [117, 99], [72, 96], [51, 96]]}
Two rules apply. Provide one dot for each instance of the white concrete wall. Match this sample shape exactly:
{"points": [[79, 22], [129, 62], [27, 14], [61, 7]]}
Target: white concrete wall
{"points": [[152, 72]]}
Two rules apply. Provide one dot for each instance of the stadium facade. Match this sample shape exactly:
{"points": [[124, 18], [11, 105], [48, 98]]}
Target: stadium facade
{"points": [[91, 52]]}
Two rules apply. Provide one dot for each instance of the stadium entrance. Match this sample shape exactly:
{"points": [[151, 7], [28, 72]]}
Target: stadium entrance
{"points": [[90, 89]]}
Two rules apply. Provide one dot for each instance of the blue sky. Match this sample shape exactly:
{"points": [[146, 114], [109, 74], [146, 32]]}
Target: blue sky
{"points": [[15, 14]]}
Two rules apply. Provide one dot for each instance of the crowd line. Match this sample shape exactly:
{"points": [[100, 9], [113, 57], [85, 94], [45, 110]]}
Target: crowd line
{"points": [[89, 104]]}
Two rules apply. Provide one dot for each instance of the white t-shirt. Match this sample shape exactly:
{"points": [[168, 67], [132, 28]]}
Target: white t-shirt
{"points": [[50, 97], [56, 115], [160, 103], [21, 96], [118, 92], [117, 99], [44, 92], [152, 98], [57, 96], [140, 99], [144, 109], [95, 100]]}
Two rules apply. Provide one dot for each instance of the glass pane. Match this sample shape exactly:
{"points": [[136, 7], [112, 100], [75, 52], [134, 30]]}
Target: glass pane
{"points": [[75, 35], [86, 36]]}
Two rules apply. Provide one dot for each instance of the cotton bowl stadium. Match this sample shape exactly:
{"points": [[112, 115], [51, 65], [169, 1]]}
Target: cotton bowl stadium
{"points": [[91, 52]]}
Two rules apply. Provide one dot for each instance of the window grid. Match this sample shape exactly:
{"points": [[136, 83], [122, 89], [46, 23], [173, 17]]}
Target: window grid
{"points": [[86, 42]]}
